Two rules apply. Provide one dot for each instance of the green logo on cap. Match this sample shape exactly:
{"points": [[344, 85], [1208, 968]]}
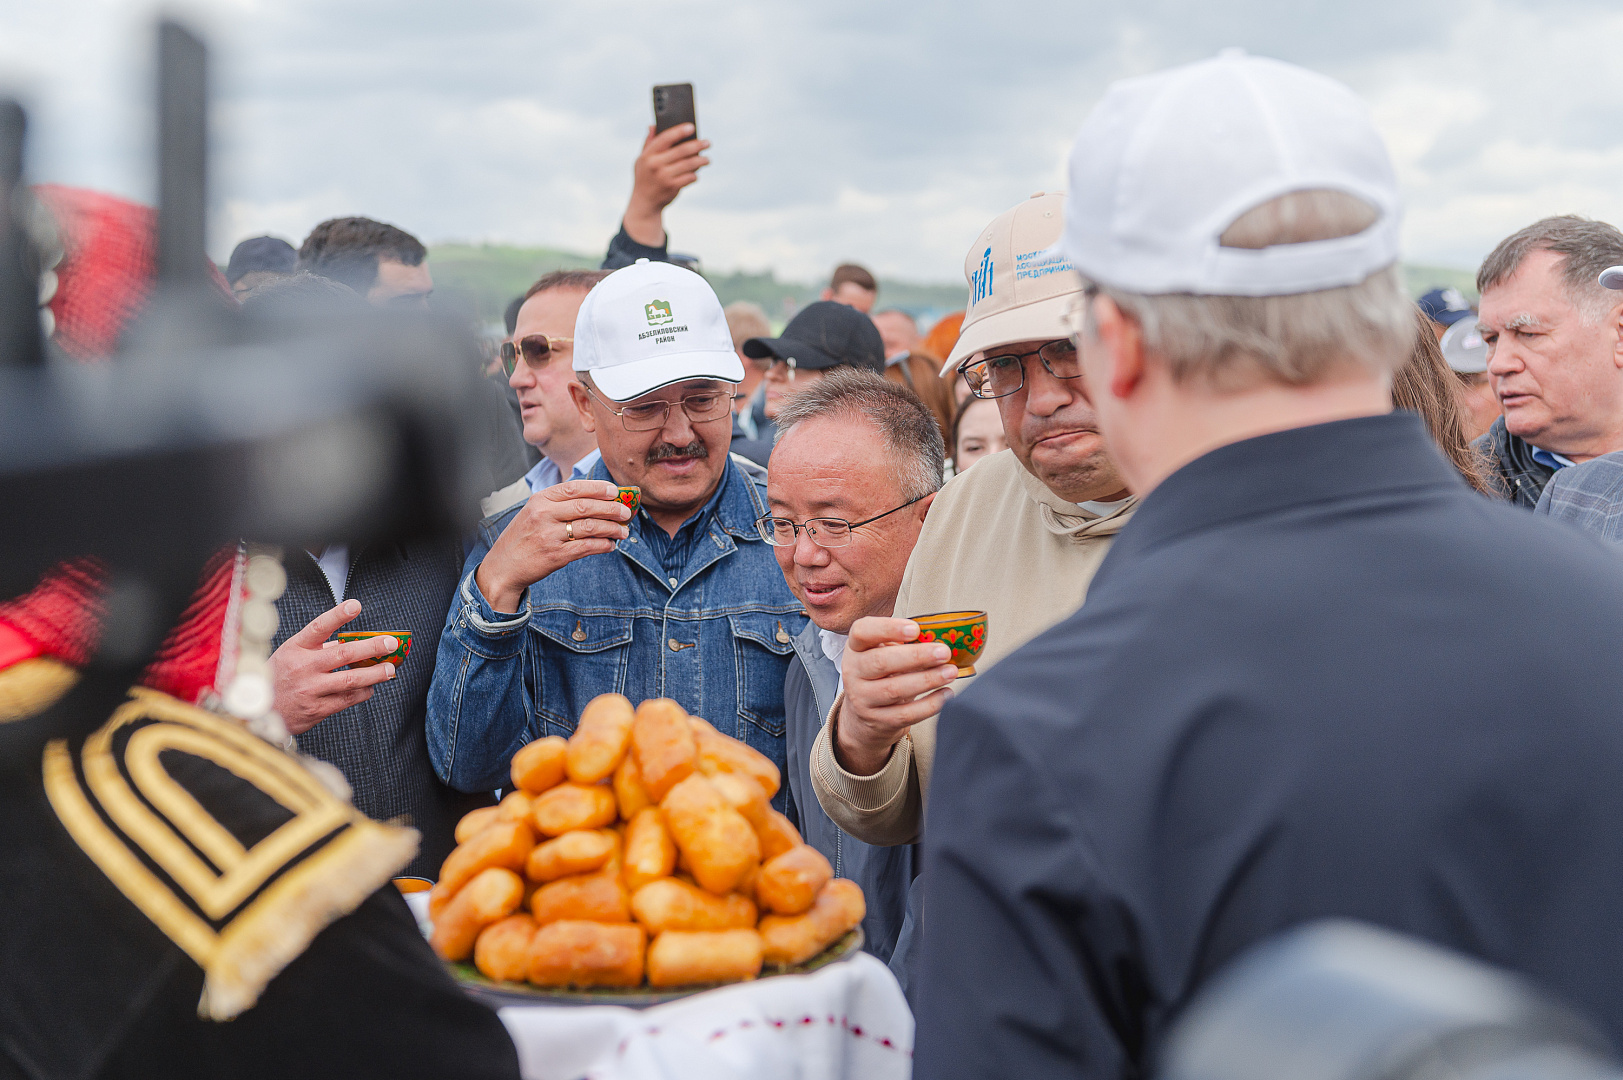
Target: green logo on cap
{"points": [[658, 311]]}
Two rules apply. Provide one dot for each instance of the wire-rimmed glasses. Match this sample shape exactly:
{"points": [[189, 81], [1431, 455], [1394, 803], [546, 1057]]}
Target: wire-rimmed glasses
{"points": [[829, 532]]}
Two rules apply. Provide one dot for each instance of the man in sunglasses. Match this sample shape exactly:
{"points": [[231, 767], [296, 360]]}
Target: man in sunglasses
{"points": [[537, 359], [1019, 536], [571, 595]]}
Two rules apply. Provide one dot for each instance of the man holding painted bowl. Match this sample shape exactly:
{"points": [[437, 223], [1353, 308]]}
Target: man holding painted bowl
{"points": [[1018, 536], [570, 594]]}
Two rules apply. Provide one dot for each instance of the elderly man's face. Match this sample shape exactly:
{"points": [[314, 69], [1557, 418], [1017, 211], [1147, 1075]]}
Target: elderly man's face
{"points": [[1559, 380], [839, 466], [677, 466], [1054, 432]]}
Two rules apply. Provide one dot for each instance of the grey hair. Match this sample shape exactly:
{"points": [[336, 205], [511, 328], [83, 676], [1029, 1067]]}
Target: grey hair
{"points": [[908, 428], [1232, 342], [1587, 246]]}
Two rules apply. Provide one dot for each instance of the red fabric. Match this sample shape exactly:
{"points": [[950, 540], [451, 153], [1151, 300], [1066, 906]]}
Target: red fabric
{"points": [[61, 616], [109, 260], [187, 662]]}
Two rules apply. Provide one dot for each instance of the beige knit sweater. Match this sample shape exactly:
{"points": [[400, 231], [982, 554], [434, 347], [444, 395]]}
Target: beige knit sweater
{"points": [[996, 540]]}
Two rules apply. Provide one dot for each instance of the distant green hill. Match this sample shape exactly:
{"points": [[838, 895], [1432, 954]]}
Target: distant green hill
{"points": [[485, 277]]}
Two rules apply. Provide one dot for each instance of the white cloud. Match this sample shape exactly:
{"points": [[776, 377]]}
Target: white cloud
{"points": [[884, 133]]}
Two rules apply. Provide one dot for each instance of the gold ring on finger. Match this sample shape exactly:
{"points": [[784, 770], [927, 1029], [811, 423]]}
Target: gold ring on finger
{"points": [[569, 530]]}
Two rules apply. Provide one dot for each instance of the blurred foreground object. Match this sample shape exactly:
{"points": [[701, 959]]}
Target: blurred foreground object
{"points": [[1341, 1000]]}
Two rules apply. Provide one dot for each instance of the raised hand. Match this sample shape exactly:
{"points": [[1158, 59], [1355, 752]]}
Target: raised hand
{"points": [[305, 681], [563, 523], [890, 685], [665, 166]]}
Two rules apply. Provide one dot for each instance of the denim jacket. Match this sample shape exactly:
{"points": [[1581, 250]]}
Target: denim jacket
{"points": [[718, 641]]}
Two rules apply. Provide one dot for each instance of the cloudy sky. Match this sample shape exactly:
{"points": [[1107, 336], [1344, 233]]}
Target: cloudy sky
{"points": [[883, 132]]}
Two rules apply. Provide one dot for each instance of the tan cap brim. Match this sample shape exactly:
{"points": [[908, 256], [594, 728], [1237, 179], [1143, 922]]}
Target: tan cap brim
{"points": [[1040, 320]]}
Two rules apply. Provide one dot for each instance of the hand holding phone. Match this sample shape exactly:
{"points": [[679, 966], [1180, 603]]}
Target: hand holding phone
{"points": [[671, 158]]}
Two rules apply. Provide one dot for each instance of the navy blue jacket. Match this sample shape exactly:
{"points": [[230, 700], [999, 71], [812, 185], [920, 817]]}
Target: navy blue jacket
{"points": [[1315, 676]]}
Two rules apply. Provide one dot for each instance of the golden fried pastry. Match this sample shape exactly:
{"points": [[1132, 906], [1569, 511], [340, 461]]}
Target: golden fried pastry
{"points": [[515, 806], [568, 807], [628, 789], [504, 843], [539, 765], [597, 897], [720, 754], [744, 795], [681, 958], [473, 821], [778, 834], [673, 904], [650, 853], [794, 939], [502, 951], [493, 894], [788, 884], [578, 852], [663, 744], [719, 844], [575, 953], [600, 740]]}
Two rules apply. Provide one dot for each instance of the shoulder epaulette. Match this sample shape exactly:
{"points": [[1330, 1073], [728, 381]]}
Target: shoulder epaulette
{"points": [[233, 849]]}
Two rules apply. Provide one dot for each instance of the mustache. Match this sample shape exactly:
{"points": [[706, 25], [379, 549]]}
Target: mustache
{"points": [[665, 451]]}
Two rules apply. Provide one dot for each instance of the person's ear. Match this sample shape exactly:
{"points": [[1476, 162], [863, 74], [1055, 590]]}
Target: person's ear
{"points": [[922, 507], [828, 294], [1122, 343], [583, 405], [1617, 332]]}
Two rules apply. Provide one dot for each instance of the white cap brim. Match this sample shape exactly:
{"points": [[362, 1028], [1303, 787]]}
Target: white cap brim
{"points": [[623, 382], [1040, 320]]}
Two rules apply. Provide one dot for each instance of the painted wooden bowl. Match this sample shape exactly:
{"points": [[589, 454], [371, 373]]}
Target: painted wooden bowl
{"points": [[398, 657], [964, 632]]}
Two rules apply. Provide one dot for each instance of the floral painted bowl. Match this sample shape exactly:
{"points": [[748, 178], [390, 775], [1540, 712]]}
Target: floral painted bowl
{"points": [[632, 497], [398, 657], [962, 631]]}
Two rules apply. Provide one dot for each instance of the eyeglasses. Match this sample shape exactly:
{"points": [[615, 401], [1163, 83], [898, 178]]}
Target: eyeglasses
{"points": [[826, 532], [652, 415], [767, 363], [1000, 376], [537, 349]]}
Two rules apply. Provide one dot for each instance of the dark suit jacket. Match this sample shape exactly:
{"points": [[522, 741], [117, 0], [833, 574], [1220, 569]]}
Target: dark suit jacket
{"points": [[1316, 676], [381, 745]]}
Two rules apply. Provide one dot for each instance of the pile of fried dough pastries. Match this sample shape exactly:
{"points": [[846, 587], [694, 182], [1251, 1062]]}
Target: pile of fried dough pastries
{"points": [[641, 847]]}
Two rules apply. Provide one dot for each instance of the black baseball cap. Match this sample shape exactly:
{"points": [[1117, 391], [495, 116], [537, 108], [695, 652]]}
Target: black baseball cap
{"points": [[261, 253], [824, 334]]}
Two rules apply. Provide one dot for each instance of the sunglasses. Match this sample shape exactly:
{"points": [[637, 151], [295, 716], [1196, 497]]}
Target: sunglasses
{"points": [[537, 349]]}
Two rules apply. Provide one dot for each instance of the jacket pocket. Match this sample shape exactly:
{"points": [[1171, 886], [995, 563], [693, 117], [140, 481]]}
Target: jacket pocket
{"points": [[581, 656], [762, 645]]}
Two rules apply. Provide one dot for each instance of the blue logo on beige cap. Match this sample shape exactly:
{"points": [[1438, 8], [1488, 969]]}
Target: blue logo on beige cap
{"points": [[981, 280]]}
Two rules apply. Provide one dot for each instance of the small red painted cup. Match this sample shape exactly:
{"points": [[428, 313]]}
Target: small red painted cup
{"points": [[964, 632], [632, 497], [398, 657]]}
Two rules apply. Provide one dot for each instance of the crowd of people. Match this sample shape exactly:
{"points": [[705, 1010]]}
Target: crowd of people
{"points": [[1273, 629]]}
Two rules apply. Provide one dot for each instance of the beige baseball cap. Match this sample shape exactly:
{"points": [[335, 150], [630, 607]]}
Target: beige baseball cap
{"points": [[1020, 286]]}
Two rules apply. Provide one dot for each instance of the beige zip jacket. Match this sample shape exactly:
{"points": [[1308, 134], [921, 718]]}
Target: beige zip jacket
{"points": [[996, 540]]}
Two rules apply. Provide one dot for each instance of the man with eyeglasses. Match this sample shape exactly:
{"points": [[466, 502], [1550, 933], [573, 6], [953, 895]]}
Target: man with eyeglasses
{"points": [[1019, 536], [856, 467], [570, 595]]}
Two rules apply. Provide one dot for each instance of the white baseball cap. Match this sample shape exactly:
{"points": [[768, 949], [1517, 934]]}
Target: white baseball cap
{"points": [[1167, 162], [1463, 347], [1020, 286], [649, 325]]}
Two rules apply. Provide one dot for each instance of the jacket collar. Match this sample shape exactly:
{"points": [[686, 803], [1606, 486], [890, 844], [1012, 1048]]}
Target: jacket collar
{"points": [[820, 670], [1335, 462], [1066, 518]]}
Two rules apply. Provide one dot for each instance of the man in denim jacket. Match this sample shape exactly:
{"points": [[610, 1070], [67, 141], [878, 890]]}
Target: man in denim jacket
{"points": [[569, 594]]}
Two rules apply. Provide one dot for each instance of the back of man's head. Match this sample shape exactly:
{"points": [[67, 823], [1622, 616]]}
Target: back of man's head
{"points": [[300, 294], [1586, 248], [908, 428], [1290, 289], [348, 250]]}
